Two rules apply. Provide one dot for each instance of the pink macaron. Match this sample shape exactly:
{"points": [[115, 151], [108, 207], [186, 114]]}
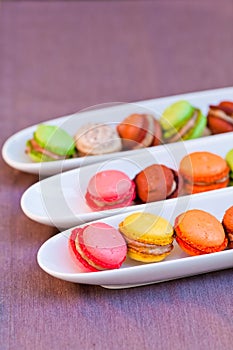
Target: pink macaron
{"points": [[110, 189], [97, 246]]}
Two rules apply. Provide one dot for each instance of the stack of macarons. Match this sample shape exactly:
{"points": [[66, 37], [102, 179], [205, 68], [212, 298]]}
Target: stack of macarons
{"points": [[179, 121], [148, 238], [198, 172]]}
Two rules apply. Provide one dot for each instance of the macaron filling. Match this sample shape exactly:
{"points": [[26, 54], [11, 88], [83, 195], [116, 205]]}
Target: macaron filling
{"points": [[185, 129], [146, 248], [220, 113], [33, 146]]}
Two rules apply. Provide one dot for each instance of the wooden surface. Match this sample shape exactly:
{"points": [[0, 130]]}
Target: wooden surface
{"points": [[59, 57]]}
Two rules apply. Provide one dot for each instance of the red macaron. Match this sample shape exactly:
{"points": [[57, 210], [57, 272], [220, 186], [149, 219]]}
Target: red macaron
{"points": [[220, 117], [97, 246], [110, 189]]}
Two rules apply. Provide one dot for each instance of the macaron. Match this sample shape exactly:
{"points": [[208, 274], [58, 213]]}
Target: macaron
{"points": [[97, 246], [109, 189], [220, 117], [229, 160], [50, 143], [140, 130], [198, 232], [149, 237], [203, 171], [96, 139], [228, 225], [182, 121], [157, 182]]}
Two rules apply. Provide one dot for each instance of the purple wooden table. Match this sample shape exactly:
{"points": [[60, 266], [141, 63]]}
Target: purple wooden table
{"points": [[58, 57]]}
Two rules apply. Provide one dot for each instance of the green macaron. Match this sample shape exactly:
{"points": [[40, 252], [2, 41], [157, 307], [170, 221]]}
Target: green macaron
{"points": [[50, 143], [177, 115], [229, 160]]}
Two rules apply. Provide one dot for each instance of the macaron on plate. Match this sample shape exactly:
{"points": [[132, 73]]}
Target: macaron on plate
{"points": [[54, 256], [60, 199], [13, 150]]}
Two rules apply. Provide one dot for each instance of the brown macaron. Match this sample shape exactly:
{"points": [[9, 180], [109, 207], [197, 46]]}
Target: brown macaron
{"points": [[156, 182], [220, 117], [203, 171], [139, 130], [228, 226]]}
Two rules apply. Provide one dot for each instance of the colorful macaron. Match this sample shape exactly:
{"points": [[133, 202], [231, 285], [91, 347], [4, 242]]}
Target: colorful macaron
{"points": [[203, 171], [228, 225], [157, 182], [97, 247], [140, 130], [96, 139], [149, 237], [229, 160], [50, 143], [198, 232], [220, 117], [110, 189], [182, 121]]}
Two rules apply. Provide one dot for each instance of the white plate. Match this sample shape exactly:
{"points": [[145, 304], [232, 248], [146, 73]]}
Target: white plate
{"points": [[13, 150], [60, 199], [53, 256]]}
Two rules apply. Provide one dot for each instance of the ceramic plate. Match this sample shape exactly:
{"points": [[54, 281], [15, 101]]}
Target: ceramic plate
{"points": [[60, 199], [53, 256], [13, 150]]}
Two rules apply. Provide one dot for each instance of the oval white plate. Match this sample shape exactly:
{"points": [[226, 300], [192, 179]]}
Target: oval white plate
{"points": [[53, 256], [60, 199], [13, 150]]}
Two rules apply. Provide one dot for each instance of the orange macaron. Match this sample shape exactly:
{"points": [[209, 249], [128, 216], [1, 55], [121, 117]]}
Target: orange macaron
{"points": [[203, 171], [228, 225], [140, 130], [198, 232]]}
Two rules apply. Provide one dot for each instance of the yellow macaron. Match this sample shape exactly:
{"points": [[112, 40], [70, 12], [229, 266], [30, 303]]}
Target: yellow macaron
{"points": [[149, 237]]}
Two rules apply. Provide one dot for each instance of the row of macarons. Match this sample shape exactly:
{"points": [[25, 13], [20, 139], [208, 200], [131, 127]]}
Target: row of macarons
{"points": [[148, 238], [179, 121], [198, 172]]}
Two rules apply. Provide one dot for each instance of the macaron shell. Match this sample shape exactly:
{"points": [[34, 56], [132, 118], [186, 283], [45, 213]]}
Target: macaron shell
{"points": [[147, 228], [190, 188], [203, 167], [201, 231], [146, 258], [103, 246], [218, 125], [195, 251], [109, 185]]}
